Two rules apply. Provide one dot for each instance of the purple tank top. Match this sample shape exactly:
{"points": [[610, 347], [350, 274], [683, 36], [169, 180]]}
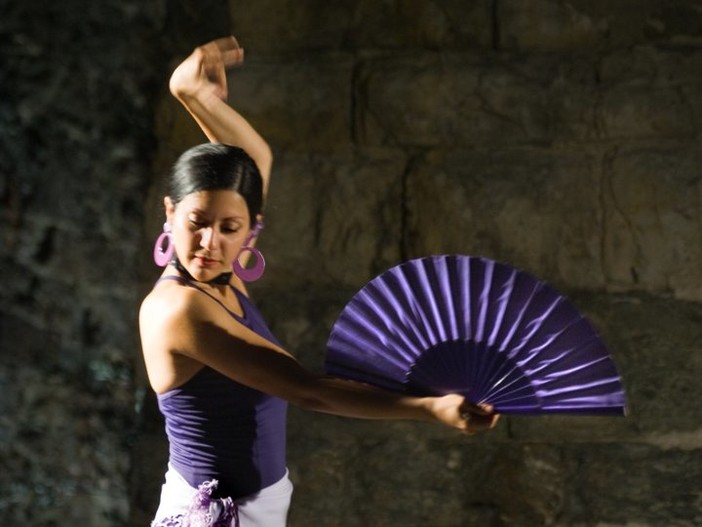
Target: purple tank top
{"points": [[220, 429]]}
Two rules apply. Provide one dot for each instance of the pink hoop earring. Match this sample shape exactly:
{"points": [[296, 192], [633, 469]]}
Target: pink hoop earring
{"points": [[250, 274], [163, 256]]}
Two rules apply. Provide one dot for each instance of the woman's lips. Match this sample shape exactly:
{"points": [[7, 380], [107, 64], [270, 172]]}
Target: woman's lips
{"points": [[206, 262]]}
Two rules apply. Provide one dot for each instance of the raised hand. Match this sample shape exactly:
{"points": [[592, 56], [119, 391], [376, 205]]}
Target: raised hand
{"points": [[200, 84], [203, 73]]}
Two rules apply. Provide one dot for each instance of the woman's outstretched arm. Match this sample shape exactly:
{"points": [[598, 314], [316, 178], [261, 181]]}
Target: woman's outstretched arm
{"points": [[200, 84], [179, 327]]}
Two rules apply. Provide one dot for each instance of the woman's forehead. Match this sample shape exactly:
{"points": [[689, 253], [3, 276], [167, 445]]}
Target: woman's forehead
{"points": [[215, 201]]}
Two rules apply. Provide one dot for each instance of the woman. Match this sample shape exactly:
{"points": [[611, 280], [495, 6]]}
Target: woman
{"points": [[222, 380]]}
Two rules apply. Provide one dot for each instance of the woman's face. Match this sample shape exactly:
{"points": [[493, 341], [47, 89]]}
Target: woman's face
{"points": [[208, 229]]}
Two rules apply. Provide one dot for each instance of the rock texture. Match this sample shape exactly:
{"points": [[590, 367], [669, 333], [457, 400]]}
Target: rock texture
{"points": [[560, 136]]}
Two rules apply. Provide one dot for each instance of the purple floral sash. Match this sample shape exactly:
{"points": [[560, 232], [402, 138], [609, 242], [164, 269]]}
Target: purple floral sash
{"points": [[204, 511]]}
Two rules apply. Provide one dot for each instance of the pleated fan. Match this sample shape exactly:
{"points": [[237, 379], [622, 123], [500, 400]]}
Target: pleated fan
{"points": [[469, 325]]}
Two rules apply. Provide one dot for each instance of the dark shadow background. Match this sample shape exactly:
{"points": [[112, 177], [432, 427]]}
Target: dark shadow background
{"points": [[561, 136]]}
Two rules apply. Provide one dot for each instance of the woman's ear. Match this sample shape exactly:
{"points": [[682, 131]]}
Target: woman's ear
{"points": [[170, 209]]}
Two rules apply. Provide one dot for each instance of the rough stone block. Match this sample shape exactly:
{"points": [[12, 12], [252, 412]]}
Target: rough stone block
{"points": [[535, 209], [465, 100], [651, 201], [367, 24], [570, 25], [347, 237], [302, 105]]}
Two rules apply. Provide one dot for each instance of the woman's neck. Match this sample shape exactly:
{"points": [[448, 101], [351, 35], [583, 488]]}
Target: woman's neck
{"points": [[222, 279]]}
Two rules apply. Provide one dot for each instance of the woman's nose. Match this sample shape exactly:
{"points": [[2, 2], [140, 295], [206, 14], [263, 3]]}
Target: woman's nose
{"points": [[208, 238]]}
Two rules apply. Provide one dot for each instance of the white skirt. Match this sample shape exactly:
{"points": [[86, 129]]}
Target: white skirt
{"points": [[266, 508]]}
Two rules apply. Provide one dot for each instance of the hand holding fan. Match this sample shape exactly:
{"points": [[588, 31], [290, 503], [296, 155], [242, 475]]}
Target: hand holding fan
{"points": [[468, 325]]}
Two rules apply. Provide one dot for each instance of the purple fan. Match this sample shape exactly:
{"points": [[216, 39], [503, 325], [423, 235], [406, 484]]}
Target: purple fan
{"points": [[461, 324]]}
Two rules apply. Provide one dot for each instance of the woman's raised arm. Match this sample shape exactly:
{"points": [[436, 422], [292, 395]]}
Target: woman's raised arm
{"points": [[200, 84]]}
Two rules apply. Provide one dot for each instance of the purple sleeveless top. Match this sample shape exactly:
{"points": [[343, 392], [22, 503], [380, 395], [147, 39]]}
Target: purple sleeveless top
{"points": [[220, 429]]}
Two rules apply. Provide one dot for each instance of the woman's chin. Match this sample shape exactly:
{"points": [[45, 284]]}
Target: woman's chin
{"points": [[206, 272]]}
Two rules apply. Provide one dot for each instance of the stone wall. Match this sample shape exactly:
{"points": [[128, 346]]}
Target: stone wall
{"points": [[560, 136], [78, 86]]}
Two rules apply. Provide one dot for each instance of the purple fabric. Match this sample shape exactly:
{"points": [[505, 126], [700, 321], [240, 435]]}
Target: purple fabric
{"points": [[221, 430], [204, 511], [469, 325]]}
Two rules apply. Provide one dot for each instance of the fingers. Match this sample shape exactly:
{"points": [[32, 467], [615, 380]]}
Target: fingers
{"points": [[458, 412], [478, 417], [228, 51], [481, 408], [218, 55], [226, 43], [213, 59]]}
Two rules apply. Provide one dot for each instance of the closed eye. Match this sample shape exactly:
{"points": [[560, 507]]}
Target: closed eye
{"points": [[198, 224], [230, 230]]}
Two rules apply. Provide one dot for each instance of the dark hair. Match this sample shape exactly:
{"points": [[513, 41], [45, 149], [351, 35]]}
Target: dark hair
{"points": [[215, 166]]}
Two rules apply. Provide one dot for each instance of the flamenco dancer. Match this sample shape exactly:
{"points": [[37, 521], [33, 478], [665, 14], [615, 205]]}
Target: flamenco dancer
{"points": [[222, 380]]}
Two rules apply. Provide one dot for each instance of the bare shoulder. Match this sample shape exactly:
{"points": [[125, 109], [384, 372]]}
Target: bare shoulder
{"points": [[173, 300], [184, 330], [164, 325], [166, 302]]}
